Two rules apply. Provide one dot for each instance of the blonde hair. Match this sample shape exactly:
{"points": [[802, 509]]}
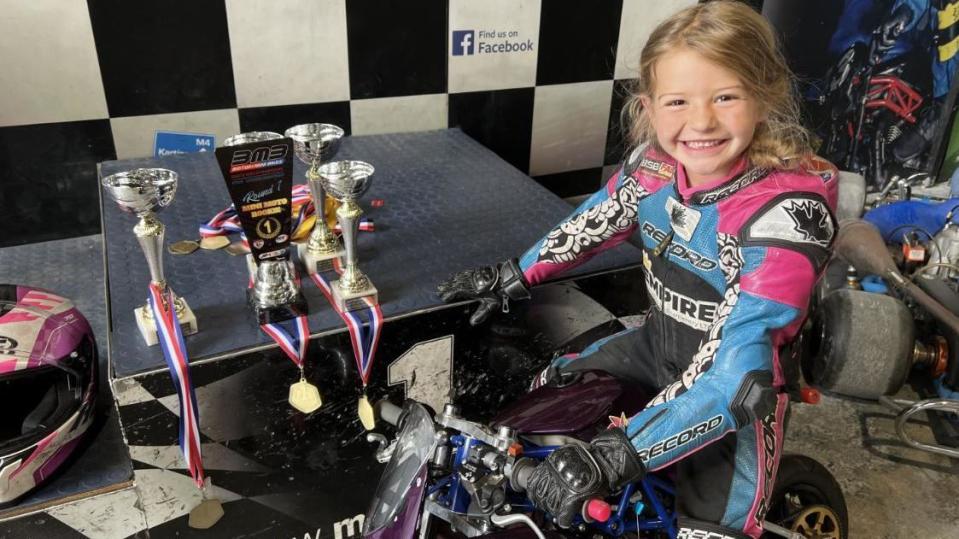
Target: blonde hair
{"points": [[734, 36]]}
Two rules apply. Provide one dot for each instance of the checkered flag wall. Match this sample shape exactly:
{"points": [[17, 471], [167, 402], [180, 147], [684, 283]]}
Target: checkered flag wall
{"points": [[540, 82]]}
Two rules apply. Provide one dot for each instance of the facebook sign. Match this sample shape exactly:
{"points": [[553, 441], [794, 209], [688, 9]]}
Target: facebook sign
{"points": [[464, 42]]}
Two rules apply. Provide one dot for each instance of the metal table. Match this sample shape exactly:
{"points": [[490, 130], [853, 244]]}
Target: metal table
{"points": [[449, 204]]}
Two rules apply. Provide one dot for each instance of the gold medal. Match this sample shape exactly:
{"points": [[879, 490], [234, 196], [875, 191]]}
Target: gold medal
{"points": [[214, 242], [365, 411], [184, 247], [208, 512], [305, 397], [236, 249]]}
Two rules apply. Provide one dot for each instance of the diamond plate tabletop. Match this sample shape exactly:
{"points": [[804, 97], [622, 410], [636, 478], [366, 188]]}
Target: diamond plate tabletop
{"points": [[74, 268], [449, 204]]}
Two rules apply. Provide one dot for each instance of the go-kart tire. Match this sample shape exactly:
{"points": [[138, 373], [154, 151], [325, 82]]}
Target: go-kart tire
{"points": [[860, 344], [805, 478]]}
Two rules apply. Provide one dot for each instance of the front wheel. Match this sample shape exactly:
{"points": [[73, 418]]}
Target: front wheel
{"points": [[807, 499]]}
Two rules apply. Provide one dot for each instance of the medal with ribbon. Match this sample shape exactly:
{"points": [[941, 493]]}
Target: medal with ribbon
{"points": [[304, 396], [364, 339], [210, 510]]}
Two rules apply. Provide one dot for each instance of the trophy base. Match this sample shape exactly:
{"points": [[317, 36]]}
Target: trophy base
{"points": [[352, 301], [318, 262], [148, 329], [279, 313]]}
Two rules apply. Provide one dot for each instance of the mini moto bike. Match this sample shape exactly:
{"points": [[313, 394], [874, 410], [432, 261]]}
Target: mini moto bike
{"points": [[450, 477]]}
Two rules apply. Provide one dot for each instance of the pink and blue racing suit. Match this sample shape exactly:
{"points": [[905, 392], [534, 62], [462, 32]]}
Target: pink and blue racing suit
{"points": [[729, 269]]}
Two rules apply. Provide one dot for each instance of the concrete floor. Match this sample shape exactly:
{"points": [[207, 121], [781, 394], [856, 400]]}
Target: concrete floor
{"points": [[891, 490]]}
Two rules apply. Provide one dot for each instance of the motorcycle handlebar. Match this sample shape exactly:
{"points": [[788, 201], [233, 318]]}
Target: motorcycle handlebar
{"points": [[521, 472], [593, 509]]}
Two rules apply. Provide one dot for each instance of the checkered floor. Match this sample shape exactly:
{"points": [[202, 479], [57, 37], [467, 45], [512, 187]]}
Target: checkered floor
{"points": [[539, 82]]}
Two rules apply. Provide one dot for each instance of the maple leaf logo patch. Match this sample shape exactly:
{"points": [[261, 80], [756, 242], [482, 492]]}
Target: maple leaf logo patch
{"points": [[678, 216], [811, 220]]}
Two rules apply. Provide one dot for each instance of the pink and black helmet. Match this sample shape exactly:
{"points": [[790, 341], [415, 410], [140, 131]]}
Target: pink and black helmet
{"points": [[48, 385]]}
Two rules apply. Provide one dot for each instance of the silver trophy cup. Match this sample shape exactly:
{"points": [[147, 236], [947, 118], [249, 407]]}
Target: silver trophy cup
{"points": [[314, 144], [347, 181], [143, 192], [251, 136], [273, 280]]}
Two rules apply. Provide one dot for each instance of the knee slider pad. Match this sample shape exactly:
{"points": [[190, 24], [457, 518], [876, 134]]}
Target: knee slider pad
{"points": [[755, 398], [697, 529]]}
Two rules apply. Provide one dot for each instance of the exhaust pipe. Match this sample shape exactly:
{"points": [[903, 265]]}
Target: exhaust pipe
{"points": [[859, 244]]}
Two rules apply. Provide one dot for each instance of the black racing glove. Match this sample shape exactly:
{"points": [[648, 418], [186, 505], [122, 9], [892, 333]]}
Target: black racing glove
{"points": [[492, 285], [574, 474]]}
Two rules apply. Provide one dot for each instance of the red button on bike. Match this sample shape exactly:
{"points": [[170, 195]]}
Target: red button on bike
{"points": [[598, 510]]}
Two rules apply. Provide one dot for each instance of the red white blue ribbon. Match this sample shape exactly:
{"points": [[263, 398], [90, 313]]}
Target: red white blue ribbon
{"points": [[227, 221], [223, 223], [174, 352], [364, 339], [294, 347]]}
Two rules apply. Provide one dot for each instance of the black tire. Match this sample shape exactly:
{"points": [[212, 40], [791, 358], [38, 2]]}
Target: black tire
{"points": [[846, 354], [802, 477]]}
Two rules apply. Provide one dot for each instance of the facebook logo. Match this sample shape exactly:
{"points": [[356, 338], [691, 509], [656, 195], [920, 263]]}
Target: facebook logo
{"points": [[464, 42]]}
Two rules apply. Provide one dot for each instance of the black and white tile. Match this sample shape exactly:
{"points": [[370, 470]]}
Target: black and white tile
{"points": [[50, 69], [48, 187], [396, 114], [88, 83], [510, 136], [163, 56], [577, 48], [279, 118], [396, 48], [569, 126], [288, 53]]}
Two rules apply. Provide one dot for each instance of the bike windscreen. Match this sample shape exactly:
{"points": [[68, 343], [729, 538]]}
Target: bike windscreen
{"points": [[414, 449]]}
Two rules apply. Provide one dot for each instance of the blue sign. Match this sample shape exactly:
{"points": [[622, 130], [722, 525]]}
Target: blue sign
{"points": [[464, 42], [172, 143]]}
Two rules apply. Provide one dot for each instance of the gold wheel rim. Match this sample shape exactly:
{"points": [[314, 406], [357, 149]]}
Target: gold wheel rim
{"points": [[817, 522]]}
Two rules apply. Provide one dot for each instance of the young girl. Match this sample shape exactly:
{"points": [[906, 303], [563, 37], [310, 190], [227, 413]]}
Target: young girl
{"points": [[736, 222]]}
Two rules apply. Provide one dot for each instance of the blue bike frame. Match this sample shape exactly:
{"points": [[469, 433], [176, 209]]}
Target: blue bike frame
{"points": [[628, 517]]}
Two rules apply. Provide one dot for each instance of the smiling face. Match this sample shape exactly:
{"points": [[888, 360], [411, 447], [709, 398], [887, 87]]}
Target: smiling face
{"points": [[702, 114]]}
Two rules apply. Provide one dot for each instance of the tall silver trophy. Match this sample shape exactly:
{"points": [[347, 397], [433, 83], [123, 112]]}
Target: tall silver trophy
{"points": [[347, 181], [314, 144], [142, 192], [274, 284]]}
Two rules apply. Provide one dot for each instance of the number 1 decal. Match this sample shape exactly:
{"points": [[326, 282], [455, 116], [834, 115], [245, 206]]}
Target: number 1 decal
{"points": [[426, 372]]}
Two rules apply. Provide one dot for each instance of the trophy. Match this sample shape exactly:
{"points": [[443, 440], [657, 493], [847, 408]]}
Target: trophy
{"points": [[258, 178], [141, 192], [346, 181], [313, 144], [251, 136]]}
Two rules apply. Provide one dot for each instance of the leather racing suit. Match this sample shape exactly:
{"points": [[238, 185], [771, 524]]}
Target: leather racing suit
{"points": [[729, 269]]}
